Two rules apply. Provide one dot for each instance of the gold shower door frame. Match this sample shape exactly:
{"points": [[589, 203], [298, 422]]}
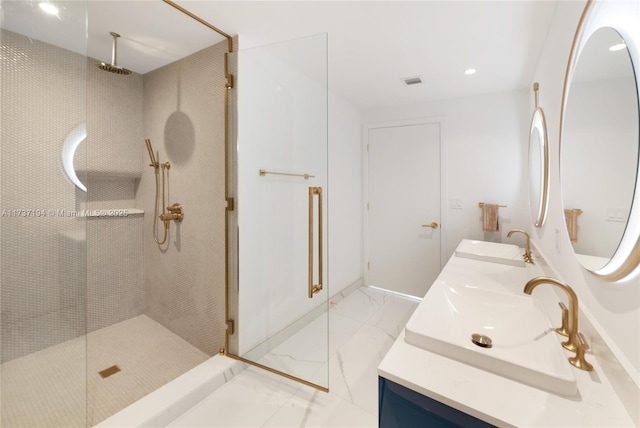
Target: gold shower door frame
{"points": [[312, 285]]}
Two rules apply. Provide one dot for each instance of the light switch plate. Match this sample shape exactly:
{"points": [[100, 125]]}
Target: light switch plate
{"points": [[455, 203]]}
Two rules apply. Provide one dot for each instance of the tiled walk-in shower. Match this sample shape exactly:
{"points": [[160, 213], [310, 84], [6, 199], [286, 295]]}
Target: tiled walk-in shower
{"points": [[49, 387], [83, 285]]}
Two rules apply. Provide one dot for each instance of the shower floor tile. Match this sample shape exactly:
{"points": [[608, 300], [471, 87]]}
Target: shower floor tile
{"points": [[147, 354], [363, 327]]}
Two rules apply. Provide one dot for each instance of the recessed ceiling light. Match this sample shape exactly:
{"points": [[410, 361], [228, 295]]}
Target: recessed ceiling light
{"points": [[49, 8], [618, 47], [470, 71]]}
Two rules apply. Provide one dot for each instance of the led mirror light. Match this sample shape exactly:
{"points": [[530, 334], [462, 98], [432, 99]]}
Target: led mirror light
{"points": [[75, 137], [538, 168], [621, 19]]}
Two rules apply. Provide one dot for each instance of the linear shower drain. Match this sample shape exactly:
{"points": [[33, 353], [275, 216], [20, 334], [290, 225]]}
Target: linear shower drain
{"points": [[109, 371]]}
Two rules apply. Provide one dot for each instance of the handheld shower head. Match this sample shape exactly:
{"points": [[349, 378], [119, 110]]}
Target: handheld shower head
{"points": [[153, 163], [113, 67]]}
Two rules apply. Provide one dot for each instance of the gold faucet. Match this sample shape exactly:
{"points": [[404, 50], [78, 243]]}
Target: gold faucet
{"points": [[563, 330], [528, 258], [573, 343]]}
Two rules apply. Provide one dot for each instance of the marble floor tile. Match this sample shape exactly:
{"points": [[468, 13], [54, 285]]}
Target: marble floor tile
{"points": [[312, 408], [305, 354], [361, 304], [250, 399], [362, 328], [393, 315], [353, 369]]}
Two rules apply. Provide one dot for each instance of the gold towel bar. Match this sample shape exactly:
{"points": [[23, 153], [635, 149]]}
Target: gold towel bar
{"points": [[305, 176], [481, 204]]}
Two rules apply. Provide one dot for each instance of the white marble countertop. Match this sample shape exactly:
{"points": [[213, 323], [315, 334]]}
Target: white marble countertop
{"points": [[491, 397]]}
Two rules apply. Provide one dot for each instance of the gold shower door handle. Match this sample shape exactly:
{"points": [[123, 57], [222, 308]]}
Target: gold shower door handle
{"points": [[433, 225], [313, 191]]}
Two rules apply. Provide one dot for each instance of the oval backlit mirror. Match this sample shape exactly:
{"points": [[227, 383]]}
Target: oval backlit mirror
{"points": [[600, 140], [538, 165]]}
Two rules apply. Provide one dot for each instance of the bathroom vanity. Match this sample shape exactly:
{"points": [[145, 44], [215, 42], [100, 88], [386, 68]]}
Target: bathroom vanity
{"points": [[435, 375]]}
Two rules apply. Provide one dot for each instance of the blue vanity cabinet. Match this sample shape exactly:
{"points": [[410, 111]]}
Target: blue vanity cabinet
{"points": [[400, 407]]}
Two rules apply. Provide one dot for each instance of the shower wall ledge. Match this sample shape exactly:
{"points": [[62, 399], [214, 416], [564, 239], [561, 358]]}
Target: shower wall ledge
{"points": [[167, 403], [109, 174]]}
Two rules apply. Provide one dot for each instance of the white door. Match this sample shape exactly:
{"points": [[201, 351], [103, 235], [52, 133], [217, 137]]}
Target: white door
{"points": [[404, 207]]}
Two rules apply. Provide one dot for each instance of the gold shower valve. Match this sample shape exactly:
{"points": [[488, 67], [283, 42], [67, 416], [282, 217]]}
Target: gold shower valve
{"points": [[175, 208], [178, 217], [175, 211]]}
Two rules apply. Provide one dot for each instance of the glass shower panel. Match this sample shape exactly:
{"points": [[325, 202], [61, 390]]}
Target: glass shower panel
{"points": [[282, 321], [42, 227]]}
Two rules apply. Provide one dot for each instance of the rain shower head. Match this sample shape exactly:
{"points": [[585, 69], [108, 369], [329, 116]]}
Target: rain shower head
{"points": [[113, 67]]}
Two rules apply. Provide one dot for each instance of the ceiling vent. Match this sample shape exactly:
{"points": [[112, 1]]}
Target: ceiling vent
{"points": [[410, 81]]}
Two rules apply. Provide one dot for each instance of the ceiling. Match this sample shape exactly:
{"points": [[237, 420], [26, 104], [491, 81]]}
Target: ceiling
{"points": [[372, 45]]}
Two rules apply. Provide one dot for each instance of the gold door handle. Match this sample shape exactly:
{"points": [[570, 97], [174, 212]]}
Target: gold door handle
{"points": [[433, 225], [313, 289]]}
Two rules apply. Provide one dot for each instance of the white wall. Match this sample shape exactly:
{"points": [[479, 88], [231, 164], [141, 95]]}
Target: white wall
{"points": [[484, 141], [345, 195], [614, 307]]}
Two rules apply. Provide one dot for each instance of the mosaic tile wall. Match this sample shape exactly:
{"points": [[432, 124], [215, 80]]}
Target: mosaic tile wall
{"points": [[184, 118], [114, 123], [114, 267], [114, 162], [43, 99], [62, 275]]}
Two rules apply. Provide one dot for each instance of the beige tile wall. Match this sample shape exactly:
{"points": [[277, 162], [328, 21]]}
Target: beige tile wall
{"points": [[60, 275], [64, 276], [43, 99], [183, 116]]}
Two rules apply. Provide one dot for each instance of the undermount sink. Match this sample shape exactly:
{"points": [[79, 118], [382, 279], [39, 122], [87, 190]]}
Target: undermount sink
{"points": [[494, 252], [524, 346]]}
